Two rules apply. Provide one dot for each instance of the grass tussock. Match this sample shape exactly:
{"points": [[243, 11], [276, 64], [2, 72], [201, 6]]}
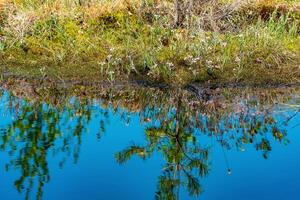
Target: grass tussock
{"points": [[224, 41]]}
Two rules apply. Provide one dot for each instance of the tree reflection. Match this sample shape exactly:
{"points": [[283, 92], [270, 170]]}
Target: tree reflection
{"points": [[185, 159], [38, 130], [174, 130]]}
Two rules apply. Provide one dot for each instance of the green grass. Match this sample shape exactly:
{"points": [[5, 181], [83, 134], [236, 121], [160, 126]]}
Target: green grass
{"points": [[114, 42]]}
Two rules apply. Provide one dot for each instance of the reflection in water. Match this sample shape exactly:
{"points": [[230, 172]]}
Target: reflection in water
{"points": [[49, 121], [176, 135], [173, 137], [36, 130]]}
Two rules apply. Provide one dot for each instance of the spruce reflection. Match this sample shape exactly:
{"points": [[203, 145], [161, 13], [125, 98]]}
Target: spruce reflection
{"points": [[185, 159]]}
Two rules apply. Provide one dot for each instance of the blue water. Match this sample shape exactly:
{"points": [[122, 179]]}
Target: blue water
{"points": [[70, 155]]}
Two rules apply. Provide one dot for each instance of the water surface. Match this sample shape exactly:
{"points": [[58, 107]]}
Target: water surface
{"points": [[149, 144]]}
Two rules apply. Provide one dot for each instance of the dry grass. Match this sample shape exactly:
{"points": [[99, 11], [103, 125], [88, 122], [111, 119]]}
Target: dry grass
{"points": [[226, 41]]}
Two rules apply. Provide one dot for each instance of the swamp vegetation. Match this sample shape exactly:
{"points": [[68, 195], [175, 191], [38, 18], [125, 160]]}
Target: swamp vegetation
{"points": [[173, 42]]}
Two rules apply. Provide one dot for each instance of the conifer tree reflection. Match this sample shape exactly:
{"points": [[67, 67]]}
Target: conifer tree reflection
{"points": [[185, 159]]}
